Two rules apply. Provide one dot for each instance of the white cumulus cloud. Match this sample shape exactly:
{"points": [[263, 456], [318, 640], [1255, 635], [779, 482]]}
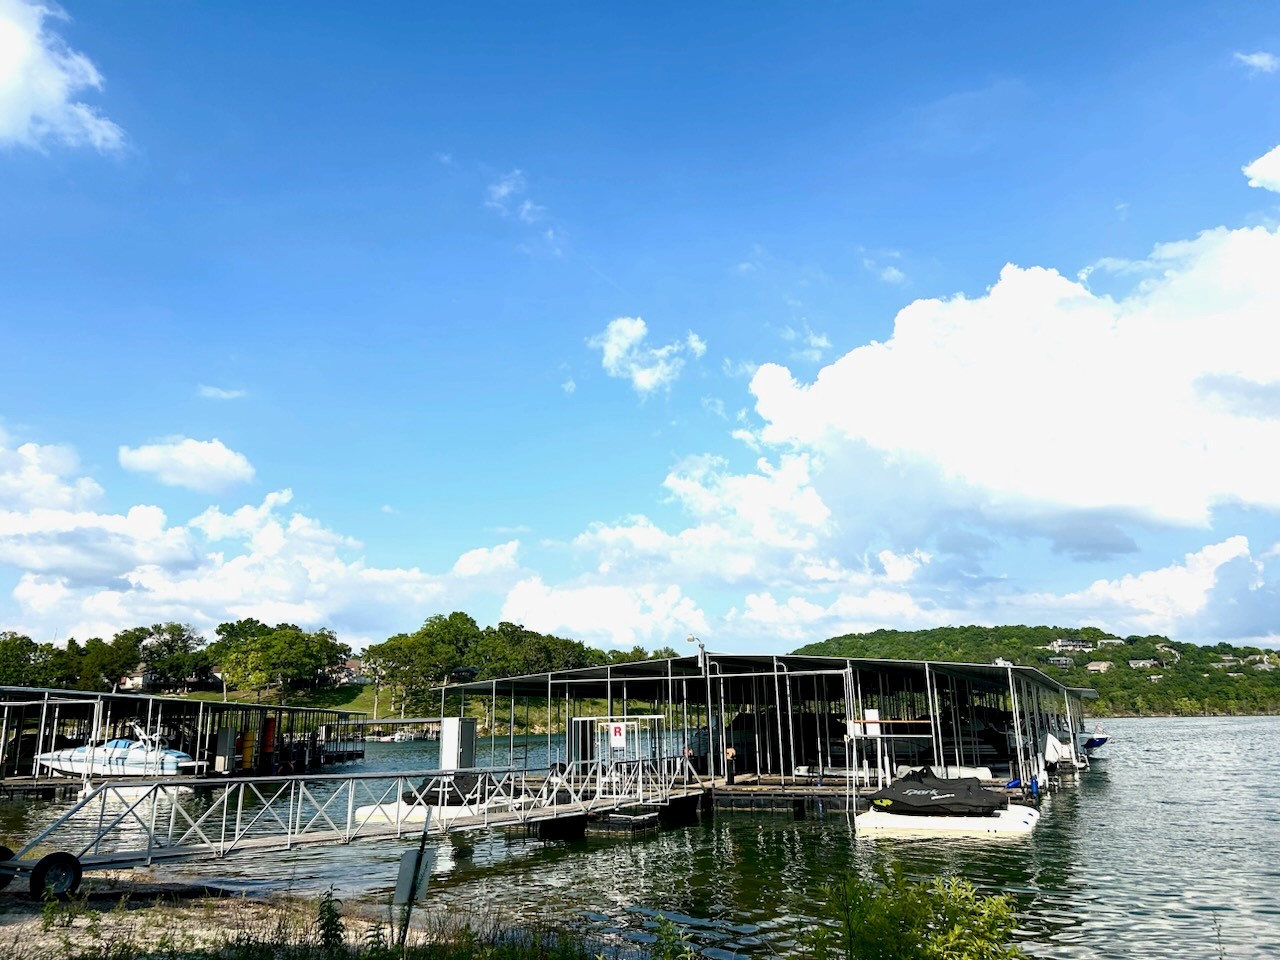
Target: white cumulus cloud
{"points": [[40, 80], [625, 355], [798, 620], [1161, 600], [92, 574], [485, 560], [42, 475], [621, 616], [1265, 171], [205, 465], [1044, 396]]}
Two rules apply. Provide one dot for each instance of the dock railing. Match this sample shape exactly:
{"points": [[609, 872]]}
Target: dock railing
{"points": [[122, 824]]}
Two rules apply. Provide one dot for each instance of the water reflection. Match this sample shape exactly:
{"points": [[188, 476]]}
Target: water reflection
{"points": [[1177, 829]]}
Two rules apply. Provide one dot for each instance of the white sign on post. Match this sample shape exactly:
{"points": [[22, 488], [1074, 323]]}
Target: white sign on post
{"points": [[617, 735], [414, 876], [873, 721]]}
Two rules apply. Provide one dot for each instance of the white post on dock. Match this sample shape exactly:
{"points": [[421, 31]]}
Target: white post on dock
{"points": [[35, 761], [1017, 728]]}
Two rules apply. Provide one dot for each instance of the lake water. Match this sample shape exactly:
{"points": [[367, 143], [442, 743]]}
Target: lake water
{"points": [[1169, 847]]}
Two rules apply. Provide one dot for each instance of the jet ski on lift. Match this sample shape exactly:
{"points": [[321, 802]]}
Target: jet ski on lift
{"points": [[921, 802]]}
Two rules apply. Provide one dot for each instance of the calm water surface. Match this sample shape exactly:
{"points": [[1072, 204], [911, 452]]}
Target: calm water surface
{"points": [[1167, 845]]}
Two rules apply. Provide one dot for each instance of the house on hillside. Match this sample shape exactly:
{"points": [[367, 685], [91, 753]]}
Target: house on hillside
{"points": [[1065, 663], [139, 681], [1110, 642], [349, 671], [1070, 645], [1098, 666], [1143, 664]]}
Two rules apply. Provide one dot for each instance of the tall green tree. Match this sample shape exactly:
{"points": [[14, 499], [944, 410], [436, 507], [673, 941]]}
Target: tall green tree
{"points": [[17, 656], [254, 656], [234, 634], [172, 654]]}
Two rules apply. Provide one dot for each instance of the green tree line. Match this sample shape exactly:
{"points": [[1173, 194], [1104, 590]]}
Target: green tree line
{"points": [[173, 657], [408, 665], [255, 657], [1185, 679]]}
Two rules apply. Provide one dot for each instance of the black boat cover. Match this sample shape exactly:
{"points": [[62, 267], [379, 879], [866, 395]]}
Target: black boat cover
{"points": [[921, 793]]}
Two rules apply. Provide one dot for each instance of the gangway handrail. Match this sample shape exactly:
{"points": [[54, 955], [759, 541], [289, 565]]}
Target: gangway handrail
{"points": [[178, 817], [281, 812]]}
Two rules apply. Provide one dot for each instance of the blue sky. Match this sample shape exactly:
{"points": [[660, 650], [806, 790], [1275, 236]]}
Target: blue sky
{"points": [[754, 322]]}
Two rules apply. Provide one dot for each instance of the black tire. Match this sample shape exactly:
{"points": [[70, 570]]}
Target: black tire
{"points": [[57, 874], [5, 856]]}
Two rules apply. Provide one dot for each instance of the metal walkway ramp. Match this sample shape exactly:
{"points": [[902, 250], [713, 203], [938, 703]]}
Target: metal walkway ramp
{"points": [[121, 825]]}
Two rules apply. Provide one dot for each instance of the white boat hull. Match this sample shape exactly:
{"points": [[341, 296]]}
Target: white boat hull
{"points": [[1015, 820], [1090, 743], [946, 770], [402, 812], [112, 762]]}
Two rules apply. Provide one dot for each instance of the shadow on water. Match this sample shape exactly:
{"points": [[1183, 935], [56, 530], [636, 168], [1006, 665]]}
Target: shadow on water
{"points": [[1176, 831]]}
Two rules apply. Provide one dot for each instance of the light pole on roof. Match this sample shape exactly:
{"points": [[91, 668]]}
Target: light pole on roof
{"points": [[706, 673]]}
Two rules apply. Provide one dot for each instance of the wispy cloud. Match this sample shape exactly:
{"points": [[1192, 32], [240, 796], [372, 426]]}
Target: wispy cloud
{"points": [[753, 262], [874, 262], [509, 196], [220, 393], [739, 368], [1260, 62], [569, 386], [530, 212], [625, 355], [810, 346], [40, 78], [504, 193]]}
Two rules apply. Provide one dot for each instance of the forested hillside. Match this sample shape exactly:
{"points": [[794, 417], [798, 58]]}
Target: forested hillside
{"points": [[1183, 679]]}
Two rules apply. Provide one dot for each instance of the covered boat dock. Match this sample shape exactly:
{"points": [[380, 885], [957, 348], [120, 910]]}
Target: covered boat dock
{"points": [[797, 718], [224, 738]]}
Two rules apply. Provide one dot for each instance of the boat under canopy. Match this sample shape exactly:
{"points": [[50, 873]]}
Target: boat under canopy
{"points": [[146, 757], [920, 793]]}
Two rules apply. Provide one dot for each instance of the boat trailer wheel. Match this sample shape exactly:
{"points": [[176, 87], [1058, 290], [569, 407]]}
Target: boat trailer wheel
{"points": [[5, 855], [57, 875]]}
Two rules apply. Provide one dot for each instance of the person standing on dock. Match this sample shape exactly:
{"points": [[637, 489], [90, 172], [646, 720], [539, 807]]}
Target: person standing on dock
{"points": [[730, 756], [688, 762]]}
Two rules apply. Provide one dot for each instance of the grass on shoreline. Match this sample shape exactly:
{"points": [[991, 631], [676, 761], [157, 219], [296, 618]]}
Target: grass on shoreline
{"points": [[888, 917]]}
